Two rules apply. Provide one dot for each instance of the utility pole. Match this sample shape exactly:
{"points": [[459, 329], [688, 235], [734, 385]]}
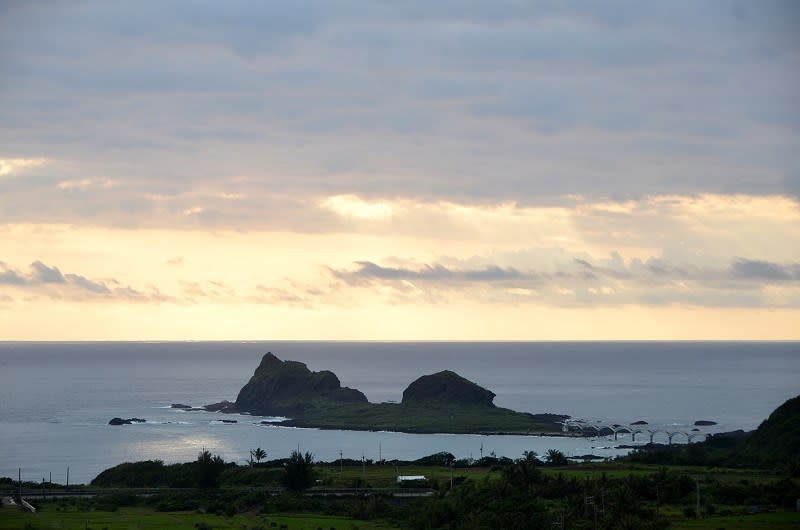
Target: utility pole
{"points": [[588, 500], [452, 463], [603, 500], [19, 479], [363, 466], [559, 521], [67, 477], [658, 500], [380, 452], [697, 482], [341, 459], [697, 494]]}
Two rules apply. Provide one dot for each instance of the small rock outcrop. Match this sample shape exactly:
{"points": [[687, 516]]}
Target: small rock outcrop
{"points": [[222, 406], [123, 421], [704, 423], [289, 388], [447, 387]]}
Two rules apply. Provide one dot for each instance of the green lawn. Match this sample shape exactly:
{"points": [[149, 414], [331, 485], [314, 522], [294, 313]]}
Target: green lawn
{"points": [[148, 519], [777, 521]]}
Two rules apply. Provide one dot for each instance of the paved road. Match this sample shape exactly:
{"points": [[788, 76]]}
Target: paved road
{"points": [[144, 492]]}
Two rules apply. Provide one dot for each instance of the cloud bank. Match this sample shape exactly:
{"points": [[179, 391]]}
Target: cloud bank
{"points": [[204, 110], [255, 164]]}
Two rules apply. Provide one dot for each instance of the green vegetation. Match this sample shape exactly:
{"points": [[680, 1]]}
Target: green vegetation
{"points": [[524, 494], [425, 418], [71, 518], [777, 439], [299, 473]]}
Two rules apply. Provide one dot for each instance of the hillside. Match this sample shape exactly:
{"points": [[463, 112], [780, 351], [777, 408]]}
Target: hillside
{"points": [[777, 439]]}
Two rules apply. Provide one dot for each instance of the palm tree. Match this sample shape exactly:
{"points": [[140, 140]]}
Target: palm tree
{"points": [[259, 454], [530, 457], [556, 458], [208, 468]]}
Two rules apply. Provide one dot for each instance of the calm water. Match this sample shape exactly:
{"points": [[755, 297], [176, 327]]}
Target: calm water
{"points": [[56, 398]]}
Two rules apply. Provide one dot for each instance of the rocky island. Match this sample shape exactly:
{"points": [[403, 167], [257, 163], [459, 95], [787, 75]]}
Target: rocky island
{"points": [[443, 402], [289, 388]]}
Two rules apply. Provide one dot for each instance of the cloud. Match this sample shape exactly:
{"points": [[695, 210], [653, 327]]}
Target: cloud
{"points": [[355, 207], [89, 285], [48, 281], [279, 296], [10, 166], [367, 271], [766, 271], [744, 283], [84, 184], [461, 103], [44, 274]]}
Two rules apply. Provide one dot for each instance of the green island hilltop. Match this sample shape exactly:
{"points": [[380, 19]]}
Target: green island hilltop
{"points": [[443, 402]]}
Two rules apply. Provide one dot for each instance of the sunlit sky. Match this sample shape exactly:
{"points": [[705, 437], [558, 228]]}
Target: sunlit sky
{"points": [[399, 170]]}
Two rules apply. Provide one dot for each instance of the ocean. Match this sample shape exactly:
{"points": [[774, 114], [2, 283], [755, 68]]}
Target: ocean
{"points": [[56, 398]]}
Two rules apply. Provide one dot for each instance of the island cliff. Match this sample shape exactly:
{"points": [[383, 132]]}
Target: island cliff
{"points": [[289, 388], [443, 402]]}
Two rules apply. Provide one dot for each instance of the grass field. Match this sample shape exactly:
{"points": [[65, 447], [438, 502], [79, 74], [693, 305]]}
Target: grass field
{"points": [[618, 470], [384, 476], [148, 519], [378, 476]]}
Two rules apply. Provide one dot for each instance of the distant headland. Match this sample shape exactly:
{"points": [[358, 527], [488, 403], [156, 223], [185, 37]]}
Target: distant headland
{"points": [[443, 402]]}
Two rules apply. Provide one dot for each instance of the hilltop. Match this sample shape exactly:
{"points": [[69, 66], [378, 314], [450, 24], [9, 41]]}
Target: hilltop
{"points": [[447, 387]]}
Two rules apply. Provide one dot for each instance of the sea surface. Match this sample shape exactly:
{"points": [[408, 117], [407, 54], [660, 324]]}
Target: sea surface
{"points": [[56, 398]]}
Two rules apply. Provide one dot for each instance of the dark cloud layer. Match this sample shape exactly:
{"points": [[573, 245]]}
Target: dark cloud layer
{"points": [[478, 100]]}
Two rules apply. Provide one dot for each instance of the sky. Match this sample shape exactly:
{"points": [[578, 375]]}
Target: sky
{"points": [[399, 170]]}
